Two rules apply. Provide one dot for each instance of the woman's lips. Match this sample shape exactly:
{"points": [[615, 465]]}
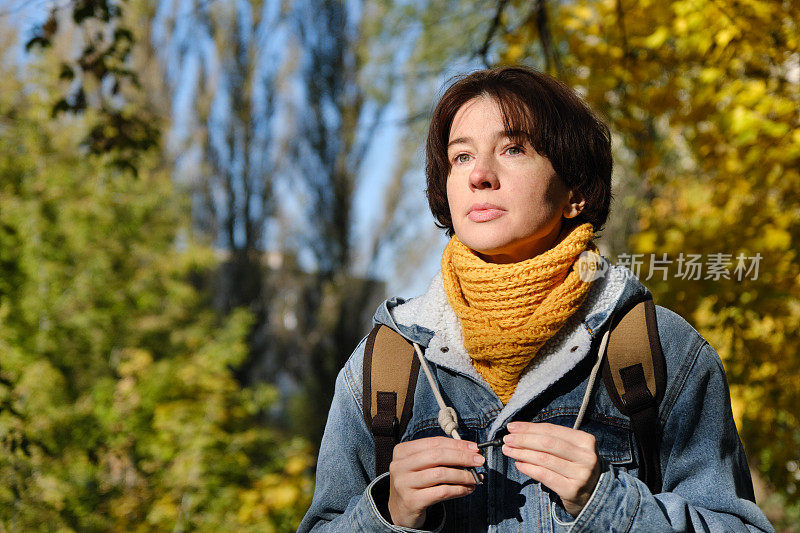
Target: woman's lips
{"points": [[485, 213]]}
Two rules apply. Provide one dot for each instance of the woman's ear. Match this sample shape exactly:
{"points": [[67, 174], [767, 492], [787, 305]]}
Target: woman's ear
{"points": [[575, 205]]}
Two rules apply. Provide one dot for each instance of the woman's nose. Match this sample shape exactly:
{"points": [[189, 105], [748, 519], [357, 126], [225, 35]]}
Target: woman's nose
{"points": [[483, 175]]}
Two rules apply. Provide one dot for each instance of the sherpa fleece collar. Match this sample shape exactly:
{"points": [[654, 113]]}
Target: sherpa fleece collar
{"points": [[429, 320]]}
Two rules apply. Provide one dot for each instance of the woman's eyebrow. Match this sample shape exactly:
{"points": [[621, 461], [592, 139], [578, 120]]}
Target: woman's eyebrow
{"points": [[497, 135]]}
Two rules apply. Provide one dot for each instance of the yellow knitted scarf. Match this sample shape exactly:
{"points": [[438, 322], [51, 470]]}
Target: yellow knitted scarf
{"points": [[508, 311]]}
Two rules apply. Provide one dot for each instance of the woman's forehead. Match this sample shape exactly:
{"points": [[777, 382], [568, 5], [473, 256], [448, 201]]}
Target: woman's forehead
{"points": [[516, 117]]}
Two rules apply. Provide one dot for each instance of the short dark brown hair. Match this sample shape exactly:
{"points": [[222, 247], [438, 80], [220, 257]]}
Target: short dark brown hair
{"points": [[546, 112]]}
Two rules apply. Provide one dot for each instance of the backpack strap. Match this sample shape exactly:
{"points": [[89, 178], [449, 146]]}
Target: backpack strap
{"points": [[635, 375], [390, 378]]}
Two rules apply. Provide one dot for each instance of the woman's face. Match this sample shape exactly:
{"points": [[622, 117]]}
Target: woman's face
{"points": [[506, 201]]}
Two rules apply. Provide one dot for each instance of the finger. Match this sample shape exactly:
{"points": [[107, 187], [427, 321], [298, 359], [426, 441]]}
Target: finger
{"points": [[412, 447], [565, 488], [440, 456], [424, 498], [552, 445], [574, 436], [439, 475], [568, 469], [580, 472]]}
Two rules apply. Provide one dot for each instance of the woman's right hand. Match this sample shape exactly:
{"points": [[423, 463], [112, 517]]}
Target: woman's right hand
{"points": [[427, 471]]}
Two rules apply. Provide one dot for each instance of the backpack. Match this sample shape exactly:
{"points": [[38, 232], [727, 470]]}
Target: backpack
{"points": [[634, 374]]}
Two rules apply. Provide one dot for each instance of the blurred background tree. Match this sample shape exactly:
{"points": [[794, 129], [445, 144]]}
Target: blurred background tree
{"points": [[120, 405], [279, 103], [202, 202]]}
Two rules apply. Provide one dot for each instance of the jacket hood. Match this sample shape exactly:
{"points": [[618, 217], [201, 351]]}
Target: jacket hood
{"points": [[429, 321]]}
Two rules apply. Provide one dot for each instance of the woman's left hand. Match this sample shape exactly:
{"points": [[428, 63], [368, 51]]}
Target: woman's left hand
{"points": [[564, 460]]}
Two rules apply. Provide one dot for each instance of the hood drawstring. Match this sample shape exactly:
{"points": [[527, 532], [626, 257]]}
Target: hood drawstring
{"points": [[447, 415], [592, 377], [448, 420]]}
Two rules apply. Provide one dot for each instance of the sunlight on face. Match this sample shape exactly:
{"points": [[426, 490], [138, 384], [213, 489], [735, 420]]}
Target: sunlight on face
{"points": [[506, 201]]}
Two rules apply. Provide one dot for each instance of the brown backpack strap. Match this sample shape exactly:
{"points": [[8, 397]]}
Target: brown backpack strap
{"points": [[635, 375], [390, 378]]}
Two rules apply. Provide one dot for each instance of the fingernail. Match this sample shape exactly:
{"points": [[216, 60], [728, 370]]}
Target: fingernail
{"points": [[510, 439], [513, 426], [478, 459]]}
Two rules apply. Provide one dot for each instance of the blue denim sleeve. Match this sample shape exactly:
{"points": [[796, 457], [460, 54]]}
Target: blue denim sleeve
{"points": [[706, 480], [344, 495]]}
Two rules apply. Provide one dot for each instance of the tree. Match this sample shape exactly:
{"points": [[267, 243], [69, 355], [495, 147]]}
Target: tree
{"points": [[99, 78], [119, 408], [224, 64], [289, 99], [344, 98]]}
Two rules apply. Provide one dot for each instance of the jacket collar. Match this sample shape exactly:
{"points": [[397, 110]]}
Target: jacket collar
{"points": [[430, 321]]}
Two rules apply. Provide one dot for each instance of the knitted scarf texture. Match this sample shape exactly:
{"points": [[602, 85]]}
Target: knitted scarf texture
{"points": [[508, 311]]}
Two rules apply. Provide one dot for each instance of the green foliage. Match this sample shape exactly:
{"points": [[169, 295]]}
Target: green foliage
{"points": [[119, 410], [97, 78]]}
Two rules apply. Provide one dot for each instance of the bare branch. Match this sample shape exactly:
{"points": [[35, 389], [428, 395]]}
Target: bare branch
{"points": [[621, 22], [551, 56], [483, 51]]}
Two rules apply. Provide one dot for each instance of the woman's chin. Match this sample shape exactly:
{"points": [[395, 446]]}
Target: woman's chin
{"points": [[505, 251]]}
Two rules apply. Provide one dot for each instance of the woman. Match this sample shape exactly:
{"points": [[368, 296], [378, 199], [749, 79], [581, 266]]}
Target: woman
{"points": [[519, 175]]}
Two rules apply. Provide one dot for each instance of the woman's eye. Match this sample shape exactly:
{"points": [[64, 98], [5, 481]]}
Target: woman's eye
{"points": [[462, 158], [514, 150]]}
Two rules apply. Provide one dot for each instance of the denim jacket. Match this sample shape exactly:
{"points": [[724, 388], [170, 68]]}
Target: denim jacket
{"points": [[706, 481]]}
